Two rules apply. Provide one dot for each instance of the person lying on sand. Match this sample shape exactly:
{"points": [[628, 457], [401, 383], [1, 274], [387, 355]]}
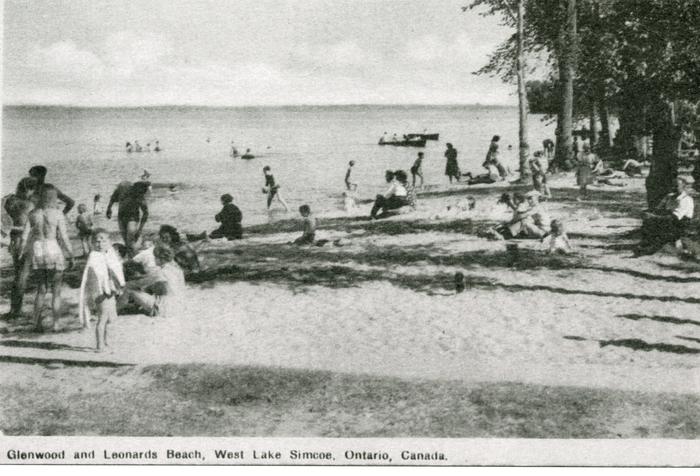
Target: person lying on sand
{"points": [[396, 195], [632, 168], [160, 293], [492, 176], [308, 226]]}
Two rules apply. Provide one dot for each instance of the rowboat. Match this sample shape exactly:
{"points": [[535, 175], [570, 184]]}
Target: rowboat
{"points": [[404, 143], [423, 136]]}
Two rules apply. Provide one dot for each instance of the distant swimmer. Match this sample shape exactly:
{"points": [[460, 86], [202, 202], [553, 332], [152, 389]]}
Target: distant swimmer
{"points": [[157, 147], [247, 155], [208, 140], [148, 147], [234, 151], [129, 147], [137, 146], [145, 175]]}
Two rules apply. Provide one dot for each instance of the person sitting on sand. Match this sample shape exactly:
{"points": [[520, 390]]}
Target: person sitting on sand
{"points": [[452, 166], [417, 169], [668, 221], [529, 218], [44, 240], [230, 218], [103, 280], [84, 225], [396, 195], [161, 292], [308, 226], [133, 210], [349, 184], [185, 255], [558, 239], [272, 189], [143, 262]]}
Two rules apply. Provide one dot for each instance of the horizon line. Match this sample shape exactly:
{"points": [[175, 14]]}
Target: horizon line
{"points": [[242, 106]]}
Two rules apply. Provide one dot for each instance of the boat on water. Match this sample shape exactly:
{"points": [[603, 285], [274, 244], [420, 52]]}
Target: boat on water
{"points": [[247, 156], [404, 143], [423, 136]]}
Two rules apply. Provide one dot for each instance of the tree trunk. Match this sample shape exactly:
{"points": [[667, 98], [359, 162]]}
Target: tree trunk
{"points": [[566, 56], [605, 140], [664, 163], [593, 126], [524, 147]]}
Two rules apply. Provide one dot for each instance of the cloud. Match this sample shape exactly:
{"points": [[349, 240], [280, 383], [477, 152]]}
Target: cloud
{"points": [[127, 52], [462, 49], [66, 60], [345, 53]]}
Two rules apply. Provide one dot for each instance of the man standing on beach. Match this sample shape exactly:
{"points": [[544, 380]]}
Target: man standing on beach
{"points": [[38, 172], [133, 210]]}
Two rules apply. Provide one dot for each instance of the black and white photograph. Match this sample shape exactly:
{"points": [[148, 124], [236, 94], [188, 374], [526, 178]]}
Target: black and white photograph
{"points": [[350, 232]]}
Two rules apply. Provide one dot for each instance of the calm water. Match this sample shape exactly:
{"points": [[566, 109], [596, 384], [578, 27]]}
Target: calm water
{"points": [[308, 149]]}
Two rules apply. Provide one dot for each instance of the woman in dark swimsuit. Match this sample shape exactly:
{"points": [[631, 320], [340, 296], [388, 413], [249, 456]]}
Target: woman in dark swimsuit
{"points": [[272, 189]]}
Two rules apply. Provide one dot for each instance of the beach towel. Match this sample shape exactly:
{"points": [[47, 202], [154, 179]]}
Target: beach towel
{"points": [[103, 276]]}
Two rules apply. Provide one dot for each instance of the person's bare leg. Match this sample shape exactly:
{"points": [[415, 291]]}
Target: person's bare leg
{"points": [[279, 197], [144, 301], [56, 285], [421, 180], [39, 305], [131, 240]]}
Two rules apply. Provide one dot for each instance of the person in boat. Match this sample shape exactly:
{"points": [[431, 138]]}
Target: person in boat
{"points": [[247, 155], [272, 189], [349, 184], [394, 138], [382, 139], [452, 166], [667, 222], [129, 147], [147, 148], [133, 210], [396, 195], [417, 169]]}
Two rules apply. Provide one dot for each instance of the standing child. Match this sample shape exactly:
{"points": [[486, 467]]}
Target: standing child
{"points": [[84, 225], [417, 169], [103, 280], [309, 227], [349, 184], [96, 207]]}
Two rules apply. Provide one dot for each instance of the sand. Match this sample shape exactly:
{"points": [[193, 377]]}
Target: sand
{"points": [[383, 303]]}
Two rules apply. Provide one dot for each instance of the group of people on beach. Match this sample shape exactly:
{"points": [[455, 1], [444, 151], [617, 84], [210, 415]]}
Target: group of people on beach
{"points": [[136, 147]]}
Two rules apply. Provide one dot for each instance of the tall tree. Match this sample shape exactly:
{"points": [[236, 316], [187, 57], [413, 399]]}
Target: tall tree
{"points": [[513, 13], [566, 59]]}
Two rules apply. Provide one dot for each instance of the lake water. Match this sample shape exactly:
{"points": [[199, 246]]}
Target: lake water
{"points": [[308, 149]]}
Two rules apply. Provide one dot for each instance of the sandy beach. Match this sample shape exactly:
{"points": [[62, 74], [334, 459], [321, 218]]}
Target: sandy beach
{"points": [[614, 336]]}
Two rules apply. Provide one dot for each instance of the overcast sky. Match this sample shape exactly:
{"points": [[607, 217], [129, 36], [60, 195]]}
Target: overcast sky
{"points": [[240, 52]]}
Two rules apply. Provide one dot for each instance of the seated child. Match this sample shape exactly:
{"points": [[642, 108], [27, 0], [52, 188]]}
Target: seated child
{"points": [[103, 280], [558, 240], [84, 226], [96, 207], [309, 227]]}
